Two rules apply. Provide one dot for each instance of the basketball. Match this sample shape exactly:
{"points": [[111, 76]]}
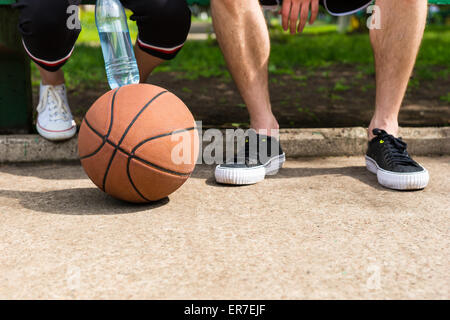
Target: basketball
{"points": [[138, 143]]}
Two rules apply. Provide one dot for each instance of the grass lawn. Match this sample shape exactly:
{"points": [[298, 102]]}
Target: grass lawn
{"points": [[320, 46]]}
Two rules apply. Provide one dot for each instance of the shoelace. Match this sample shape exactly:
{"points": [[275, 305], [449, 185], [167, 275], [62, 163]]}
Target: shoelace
{"points": [[395, 151], [58, 109]]}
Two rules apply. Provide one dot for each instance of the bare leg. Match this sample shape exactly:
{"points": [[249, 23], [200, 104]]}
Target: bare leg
{"points": [[395, 47], [51, 78], [244, 39], [146, 63]]}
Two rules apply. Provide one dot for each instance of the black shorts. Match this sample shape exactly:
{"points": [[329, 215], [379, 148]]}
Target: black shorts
{"points": [[163, 27], [334, 7]]}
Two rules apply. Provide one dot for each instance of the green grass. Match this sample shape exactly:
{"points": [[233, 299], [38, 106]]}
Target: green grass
{"points": [[341, 86], [320, 46], [446, 98], [89, 31]]}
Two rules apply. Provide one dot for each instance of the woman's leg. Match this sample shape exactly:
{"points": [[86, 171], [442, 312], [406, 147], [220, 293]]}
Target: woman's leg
{"points": [[49, 38], [47, 35], [163, 28]]}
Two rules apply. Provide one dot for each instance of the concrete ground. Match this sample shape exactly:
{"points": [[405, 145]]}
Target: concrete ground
{"points": [[322, 228]]}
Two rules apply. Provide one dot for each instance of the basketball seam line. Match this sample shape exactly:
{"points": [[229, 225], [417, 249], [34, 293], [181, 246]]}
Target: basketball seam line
{"points": [[160, 136], [132, 182], [181, 174], [125, 133], [137, 116], [101, 145], [112, 113], [104, 138], [152, 164], [133, 156]]}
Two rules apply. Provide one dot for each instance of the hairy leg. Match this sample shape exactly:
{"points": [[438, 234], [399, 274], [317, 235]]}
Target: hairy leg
{"points": [[244, 39], [395, 47]]}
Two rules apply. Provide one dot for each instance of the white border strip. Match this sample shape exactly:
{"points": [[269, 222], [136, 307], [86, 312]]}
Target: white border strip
{"points": [[49, 63], [165, 50]]}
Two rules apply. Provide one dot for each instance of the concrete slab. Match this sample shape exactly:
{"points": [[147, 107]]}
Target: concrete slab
{"points": [[322, 228], [320, 142]]}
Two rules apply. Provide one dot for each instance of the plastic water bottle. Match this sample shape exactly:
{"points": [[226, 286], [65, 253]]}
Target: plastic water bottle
{"points": [[120, 62]]}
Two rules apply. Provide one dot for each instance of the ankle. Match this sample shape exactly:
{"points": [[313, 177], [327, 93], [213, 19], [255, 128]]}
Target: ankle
{"points": [[388, 125], [49, 78], [268, 126]]}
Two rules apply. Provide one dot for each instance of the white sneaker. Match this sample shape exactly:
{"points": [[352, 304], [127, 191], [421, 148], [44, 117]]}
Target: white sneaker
{"points": [[54, 121]]}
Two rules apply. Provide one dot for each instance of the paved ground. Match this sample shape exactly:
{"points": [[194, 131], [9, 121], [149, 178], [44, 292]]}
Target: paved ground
{"points": [[323, 228]]}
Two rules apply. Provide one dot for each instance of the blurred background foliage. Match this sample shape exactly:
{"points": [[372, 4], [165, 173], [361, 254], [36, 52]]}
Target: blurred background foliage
{"points": [[329, 41]]}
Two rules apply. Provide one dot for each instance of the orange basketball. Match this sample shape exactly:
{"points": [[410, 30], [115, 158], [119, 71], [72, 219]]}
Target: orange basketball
{"points": [[138, 143]]}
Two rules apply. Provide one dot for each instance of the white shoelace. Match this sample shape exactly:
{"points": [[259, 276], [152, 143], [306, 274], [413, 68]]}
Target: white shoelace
{"points": [[58, 110]]}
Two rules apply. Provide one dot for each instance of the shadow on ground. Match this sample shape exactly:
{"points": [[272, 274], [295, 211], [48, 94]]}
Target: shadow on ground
{"points": [[359, 173], [77, 201], [92, 201], [48, 171]]}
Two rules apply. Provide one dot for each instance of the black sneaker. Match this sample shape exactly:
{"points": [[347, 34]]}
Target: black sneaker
{"points": [[252, 168], [388, 159]]}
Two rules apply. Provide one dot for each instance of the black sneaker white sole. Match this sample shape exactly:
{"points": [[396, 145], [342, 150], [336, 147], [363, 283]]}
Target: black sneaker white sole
{"points": [[398, 180], [252, 175]]}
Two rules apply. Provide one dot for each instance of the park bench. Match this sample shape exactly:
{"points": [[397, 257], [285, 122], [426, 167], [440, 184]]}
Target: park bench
{"points": [[15, 78]]}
